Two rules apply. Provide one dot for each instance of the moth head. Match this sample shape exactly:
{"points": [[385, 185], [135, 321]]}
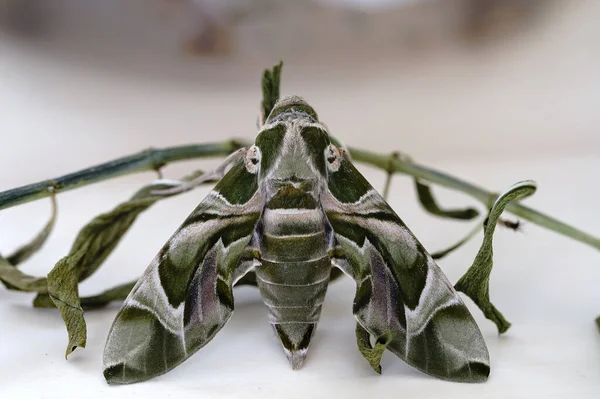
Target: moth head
{"points": [[292, 107], [293, 143]]}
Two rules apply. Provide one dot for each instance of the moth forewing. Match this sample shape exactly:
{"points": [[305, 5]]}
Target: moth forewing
{"points": [[400, 291], [185, 297]]}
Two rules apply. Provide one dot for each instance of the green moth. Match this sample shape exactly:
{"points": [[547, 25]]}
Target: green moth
{"points": [[291, 209]]}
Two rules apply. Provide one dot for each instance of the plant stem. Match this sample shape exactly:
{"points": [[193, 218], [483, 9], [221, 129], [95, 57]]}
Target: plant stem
{"points": [[154, 159], [487, 198], [147, 160]]}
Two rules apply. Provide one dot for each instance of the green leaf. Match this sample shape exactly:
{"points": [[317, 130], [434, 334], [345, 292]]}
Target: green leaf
{"points": [[598, 322], [371, 354], [91, 247], [476, 281], [270, 88], [117, 293], [14, 279], [428, 201], [25, 252], [43, 301]]}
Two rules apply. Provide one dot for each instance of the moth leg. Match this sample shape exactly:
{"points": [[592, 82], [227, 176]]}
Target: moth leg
{"points": [[216, 174], [338, 258]]}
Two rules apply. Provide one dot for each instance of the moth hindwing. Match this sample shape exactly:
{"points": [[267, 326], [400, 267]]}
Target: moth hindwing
{"points": [[288, 210]]}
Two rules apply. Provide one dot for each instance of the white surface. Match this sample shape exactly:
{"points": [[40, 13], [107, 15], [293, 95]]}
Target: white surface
{"points": [[59, 116], [545, 284]]}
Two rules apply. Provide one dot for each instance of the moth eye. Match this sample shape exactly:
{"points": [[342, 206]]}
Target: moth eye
{"points": [[332, 155], [253, 157]]}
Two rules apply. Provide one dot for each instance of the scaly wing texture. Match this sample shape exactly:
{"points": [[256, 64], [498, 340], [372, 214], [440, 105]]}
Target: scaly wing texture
{"points": [[402, 296], [185, 296]]}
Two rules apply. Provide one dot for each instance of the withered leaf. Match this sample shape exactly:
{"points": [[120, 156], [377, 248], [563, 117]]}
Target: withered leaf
{"points": [[91, 247], [475, 283], [372, 354], [430, 204], [25, 252], [15, 279]]}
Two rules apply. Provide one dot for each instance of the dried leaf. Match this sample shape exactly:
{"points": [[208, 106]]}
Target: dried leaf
{"points": [[25, 252], [10, 276], [372, 354], [117, 293], [476, 281], [270, 88], [14, 279], [428, 201], [91, 247], [43, 301]]}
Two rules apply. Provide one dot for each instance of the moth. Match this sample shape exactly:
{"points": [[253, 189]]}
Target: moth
{"points": [[293, 209]]}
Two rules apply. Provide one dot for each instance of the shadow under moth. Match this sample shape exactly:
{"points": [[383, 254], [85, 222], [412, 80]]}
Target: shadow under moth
{"points": [[293, 210]]}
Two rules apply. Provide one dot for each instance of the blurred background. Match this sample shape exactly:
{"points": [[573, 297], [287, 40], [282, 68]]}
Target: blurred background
{"points": [[458, 78], [493, 91]]}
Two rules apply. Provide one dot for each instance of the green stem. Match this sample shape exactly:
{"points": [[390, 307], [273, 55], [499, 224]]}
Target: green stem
{"points": [[487, 198], [147, 160], [154, 159]]}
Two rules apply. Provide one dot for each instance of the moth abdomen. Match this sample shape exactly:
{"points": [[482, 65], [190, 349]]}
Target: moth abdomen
{"points": [[294, 275]]}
